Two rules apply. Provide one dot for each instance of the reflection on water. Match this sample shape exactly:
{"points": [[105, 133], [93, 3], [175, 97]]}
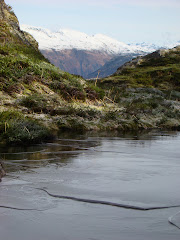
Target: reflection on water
{"points": [[140, 169], [69, 146], [60, 152]]}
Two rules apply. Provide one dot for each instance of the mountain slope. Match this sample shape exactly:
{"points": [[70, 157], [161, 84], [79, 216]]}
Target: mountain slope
{"points": [[111, 66], [79, 62]]}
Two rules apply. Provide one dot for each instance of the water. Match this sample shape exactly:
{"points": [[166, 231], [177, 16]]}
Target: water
{"points": [[137, 169]]}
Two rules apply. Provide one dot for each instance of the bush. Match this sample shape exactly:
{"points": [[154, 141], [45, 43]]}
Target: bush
{"points": [[16, 129], [35, 103]]}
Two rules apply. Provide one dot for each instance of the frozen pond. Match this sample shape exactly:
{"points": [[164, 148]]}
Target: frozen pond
{"points": [[141, 170]]}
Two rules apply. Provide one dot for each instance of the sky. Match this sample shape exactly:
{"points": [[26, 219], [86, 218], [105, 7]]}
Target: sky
{"points": [[129, 21]]}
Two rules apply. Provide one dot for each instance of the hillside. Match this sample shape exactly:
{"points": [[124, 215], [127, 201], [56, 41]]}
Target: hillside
{"points": [[35, 95], [148, 87], [160, 69], [37, 99]]}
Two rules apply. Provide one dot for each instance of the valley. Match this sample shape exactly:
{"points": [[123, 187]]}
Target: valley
{"points": [[78, 53]]}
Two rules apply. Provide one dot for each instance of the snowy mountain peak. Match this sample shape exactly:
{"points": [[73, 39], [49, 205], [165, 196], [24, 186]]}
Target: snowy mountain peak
{"points": [[71, 39]]}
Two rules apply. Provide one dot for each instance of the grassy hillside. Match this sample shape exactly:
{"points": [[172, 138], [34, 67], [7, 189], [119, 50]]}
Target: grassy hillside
{"points": [[148, 88], [34, 94], [37, 99], [160, 70]]}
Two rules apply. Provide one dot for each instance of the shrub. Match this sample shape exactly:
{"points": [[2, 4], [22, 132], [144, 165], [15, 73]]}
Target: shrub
{"points": [[16, 129], [36, 103]]}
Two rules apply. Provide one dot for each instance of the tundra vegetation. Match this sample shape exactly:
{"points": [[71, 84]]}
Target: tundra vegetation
{"points": [[37, 99]]}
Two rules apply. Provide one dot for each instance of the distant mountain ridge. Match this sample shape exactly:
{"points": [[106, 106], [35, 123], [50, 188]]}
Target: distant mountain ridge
{"points": [[71, 39]]}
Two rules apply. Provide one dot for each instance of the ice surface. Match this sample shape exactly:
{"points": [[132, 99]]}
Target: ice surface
{"points": [[138, 170]]}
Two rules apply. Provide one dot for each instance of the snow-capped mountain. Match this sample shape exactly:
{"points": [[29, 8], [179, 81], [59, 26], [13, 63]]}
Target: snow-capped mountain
{"points": [[71, 39], [78, 53]]}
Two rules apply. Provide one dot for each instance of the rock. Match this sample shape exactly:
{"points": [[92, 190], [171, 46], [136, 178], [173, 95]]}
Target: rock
{"points": [[8, 17], [2, 171]]}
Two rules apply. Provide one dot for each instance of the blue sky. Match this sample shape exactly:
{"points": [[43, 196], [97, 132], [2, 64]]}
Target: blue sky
{"points": [[155, 21]]}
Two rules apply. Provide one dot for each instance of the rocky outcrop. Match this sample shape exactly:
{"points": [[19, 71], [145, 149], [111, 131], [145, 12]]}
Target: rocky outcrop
{"points": [[2, 171], [131, 64], [8, 17], [7, 14]]}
